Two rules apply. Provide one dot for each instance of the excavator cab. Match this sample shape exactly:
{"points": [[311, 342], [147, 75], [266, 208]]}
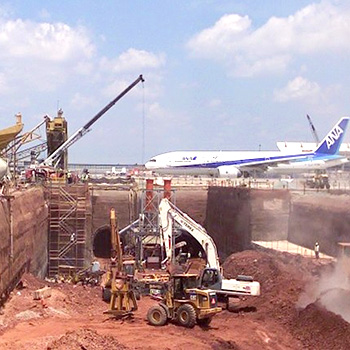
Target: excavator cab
{"points": [[210, 278]]}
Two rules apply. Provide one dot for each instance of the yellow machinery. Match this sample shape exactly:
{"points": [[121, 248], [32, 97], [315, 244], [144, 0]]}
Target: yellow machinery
{"points": [[57, 134], [185, 303], [123, 300]]}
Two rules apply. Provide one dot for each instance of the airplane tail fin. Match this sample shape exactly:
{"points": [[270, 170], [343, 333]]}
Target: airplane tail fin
{"points": [[331, 143]]}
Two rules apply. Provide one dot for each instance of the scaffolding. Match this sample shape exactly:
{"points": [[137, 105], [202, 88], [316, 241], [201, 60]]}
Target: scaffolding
{"points": [[67, 228], [148, 232]]}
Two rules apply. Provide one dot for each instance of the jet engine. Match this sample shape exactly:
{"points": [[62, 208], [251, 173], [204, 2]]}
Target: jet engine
{"points": [[229, 171], [3, 168]]}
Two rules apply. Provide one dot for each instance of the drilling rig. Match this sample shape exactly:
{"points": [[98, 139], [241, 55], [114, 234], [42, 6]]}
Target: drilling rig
{"points": [[123, 300]]}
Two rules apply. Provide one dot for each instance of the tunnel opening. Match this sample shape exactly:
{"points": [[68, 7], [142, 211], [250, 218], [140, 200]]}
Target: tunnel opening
{"points": [[102, 242]]}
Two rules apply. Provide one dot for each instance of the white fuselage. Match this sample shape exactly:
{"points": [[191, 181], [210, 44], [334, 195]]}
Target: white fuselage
{"points": [[232, 163], [206, 162]]}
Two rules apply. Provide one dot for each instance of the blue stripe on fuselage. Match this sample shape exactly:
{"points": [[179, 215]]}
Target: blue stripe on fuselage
{"points": [[264, 160], [256, 161]]}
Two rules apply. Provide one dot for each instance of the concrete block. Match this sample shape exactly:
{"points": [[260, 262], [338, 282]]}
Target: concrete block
{"points": [[42, 293]]}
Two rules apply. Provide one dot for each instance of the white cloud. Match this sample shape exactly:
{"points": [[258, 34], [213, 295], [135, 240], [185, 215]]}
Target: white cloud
{"points": [[56, 42], [134, 60], [161, 118], [298, 89], [316, 29], [128, 66], [215, 102], [155, 112], [43, 57], [81, 102]]}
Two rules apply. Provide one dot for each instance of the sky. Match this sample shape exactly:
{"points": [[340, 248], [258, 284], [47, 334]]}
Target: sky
{"points": [[219, 75]]}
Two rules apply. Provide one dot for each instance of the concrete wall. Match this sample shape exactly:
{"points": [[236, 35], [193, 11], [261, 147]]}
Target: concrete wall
{"points": [[228, 219], [102, 202], [321, 217], [25, 245], [269, 214], [124, 201], [236, 216], [193, 203]]}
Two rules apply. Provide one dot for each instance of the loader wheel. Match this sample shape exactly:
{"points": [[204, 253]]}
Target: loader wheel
{"points": [[204, 322], [186, 316], [157, 316]]}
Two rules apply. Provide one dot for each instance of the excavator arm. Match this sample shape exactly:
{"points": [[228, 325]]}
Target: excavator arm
{"points": [[225, 288], [168, 213]]}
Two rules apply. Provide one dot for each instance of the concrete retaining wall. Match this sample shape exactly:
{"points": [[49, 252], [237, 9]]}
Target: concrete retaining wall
{"points": [[269, 214], [236, 216], [193, 203], [323, 218], [228, 219]]}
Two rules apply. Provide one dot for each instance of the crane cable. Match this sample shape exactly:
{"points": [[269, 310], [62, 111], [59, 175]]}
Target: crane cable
{"points": [[143, 123]]}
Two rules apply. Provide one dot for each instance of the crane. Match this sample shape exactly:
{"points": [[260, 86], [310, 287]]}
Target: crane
{"points": [[53, 159], [313, 130]]}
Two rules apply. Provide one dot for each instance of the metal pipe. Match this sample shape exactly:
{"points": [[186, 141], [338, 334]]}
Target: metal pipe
{"points": [[149, 195], [167, 189]]}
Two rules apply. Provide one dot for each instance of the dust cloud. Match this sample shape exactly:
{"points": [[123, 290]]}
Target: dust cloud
{"points": [[332, 290]]}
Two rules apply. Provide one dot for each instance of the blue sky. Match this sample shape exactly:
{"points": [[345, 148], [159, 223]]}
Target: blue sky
{"points": [[219, 74]]}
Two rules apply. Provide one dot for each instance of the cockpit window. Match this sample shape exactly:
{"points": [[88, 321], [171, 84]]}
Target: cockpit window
{"points": [[152, 160]]}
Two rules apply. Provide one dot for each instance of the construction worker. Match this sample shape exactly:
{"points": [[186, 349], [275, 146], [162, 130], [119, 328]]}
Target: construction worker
{"points": [[69, 177], [317, 250]]}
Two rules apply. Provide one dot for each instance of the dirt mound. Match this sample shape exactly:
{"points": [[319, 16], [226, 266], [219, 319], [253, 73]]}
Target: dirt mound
{"points": [[220, 344], [86, 339], [31, 282], [320, 329], [282, 277]]}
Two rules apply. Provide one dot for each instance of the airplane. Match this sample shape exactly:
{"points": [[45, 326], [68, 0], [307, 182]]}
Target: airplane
{"points": [[233, 164]]}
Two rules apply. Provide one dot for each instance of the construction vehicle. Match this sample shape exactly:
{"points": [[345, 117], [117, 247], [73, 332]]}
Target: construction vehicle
{"points": [[318, 181], [211, 276], [122, 299], [129, 270], [184, 303]]}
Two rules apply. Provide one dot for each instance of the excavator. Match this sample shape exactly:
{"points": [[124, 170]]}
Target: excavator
{"points": [[122, 296], [211, 276]]}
